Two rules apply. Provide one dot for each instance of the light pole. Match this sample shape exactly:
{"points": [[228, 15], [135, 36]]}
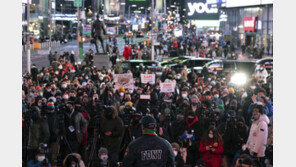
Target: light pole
{"points": [[28, 38], [152, 20], [62, 20]]}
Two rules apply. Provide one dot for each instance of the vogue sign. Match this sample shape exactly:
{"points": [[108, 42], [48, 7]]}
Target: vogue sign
{"points": [[200, 9], [250, 24]]}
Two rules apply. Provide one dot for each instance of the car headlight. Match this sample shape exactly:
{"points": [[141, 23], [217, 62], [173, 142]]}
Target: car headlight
{"points": [[238, 79]]}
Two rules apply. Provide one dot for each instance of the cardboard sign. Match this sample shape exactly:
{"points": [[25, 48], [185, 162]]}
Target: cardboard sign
{"points": [[167, 87], [148, 78], [123, 80], [145, 97]]}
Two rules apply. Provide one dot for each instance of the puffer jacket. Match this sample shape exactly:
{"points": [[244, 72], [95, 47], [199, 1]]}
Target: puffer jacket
{"points": [[258, 136]]}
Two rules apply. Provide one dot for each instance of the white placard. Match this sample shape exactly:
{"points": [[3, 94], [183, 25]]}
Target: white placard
{"points": [[123, 80], [167, 87], [148, 78]]}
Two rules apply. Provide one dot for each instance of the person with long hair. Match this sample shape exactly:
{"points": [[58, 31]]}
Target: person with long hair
{"points": [[211, 148]]}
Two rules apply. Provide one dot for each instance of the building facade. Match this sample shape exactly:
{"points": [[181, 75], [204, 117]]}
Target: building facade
{"points": [[250, 25]]}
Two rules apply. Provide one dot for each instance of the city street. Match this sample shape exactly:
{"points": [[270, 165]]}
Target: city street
{"points": [[41, 60]]}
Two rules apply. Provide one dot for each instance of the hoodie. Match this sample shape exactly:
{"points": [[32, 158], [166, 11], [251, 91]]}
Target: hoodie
{"points": [[257, 139]]}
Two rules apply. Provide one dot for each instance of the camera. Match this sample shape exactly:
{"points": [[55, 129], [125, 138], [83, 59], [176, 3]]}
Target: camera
{"points": [[127, 115]]}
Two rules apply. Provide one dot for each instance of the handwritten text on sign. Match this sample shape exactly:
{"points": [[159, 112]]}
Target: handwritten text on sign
{"points": [[148, 78], [167, 87]]}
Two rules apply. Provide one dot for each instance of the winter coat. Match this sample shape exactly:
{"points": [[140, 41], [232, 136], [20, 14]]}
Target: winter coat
{"points": [[34, 163], [178, 128], [211, 159], [38, 133], [127, 52], [115, 125], [258, 136], [79, 124], [184, 74], [149, 150], [179, 162]]}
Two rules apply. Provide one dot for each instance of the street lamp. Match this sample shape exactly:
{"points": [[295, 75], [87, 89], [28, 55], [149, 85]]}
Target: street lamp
{"points": [[62, 20]]}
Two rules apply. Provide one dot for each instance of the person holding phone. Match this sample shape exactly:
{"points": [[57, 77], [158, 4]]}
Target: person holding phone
{"points": [[211, 148]]}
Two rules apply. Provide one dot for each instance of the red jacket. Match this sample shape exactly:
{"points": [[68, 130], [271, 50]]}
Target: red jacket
{"points": [[211, 159], [127, 52]]}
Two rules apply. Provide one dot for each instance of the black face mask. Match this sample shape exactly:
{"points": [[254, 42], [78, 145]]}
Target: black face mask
{"points": [[180, 117], [78, 108], [190, 120], [109, 115]]}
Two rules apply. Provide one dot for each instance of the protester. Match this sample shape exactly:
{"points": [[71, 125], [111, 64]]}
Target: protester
{"points": [[211, 148], [80, 104]]}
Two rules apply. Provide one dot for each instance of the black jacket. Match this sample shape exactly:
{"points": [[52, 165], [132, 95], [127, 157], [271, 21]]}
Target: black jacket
{"points": [[112, 142], [149, 150]]}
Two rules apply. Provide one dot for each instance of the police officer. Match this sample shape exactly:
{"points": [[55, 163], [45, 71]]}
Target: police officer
{"points": [[149, 149]]}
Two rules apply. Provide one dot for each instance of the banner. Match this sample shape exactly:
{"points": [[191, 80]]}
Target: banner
{"points": [[148, 78], [250, 24], [167, 87], [123, 80]]}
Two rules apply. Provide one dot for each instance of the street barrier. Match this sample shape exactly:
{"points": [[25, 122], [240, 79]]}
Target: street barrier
{"points": [[36, 45]]}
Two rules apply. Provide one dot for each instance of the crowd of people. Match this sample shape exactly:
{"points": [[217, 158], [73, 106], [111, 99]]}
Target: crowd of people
{"points": [[74, 116]]}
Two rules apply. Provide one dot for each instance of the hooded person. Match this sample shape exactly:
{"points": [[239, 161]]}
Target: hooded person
{"points": [[72, 159], [111, 132]]}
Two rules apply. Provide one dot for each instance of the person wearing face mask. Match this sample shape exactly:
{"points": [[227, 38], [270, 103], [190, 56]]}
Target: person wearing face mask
{"points": [[211, 148], [257, 139], [195, 104], [103, 160], [73, 160], [38, 132], [179, 162], [218, 102], [191, 137], [111, 133], [178, 127], [75, 126], [52, 120], [40, 160]]}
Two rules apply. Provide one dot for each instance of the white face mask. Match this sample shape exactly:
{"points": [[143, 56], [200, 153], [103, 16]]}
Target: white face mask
{"points": [[175, 153], [41, 74], [216, 96], [40, 158], [73, 165], [121, 93], [244, 95], [41, 93], [101, 78], [57, 72], [211, 136], [60, 67], [83, 83], [64, 86], [66, 97], [130, 91], [72, 71], [86, 77], [184, 95], [253, 87]]}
